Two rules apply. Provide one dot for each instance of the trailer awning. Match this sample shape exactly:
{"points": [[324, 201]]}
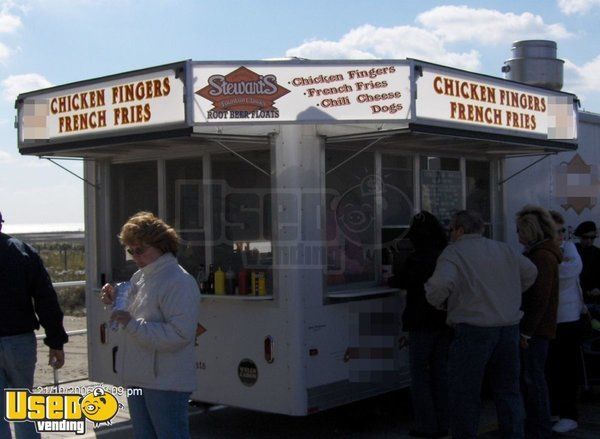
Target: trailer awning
{"points": [[148, 145], [418, 137], [409, 137]]}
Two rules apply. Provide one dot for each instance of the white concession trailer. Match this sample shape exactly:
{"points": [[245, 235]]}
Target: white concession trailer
{"points": [[298, 179]]}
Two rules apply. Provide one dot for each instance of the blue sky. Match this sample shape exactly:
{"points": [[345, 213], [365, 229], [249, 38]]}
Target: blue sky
{"points": [[52, 42]]}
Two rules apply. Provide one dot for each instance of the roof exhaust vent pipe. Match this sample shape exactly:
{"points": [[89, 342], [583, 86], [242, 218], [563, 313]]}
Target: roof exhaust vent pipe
{"points": [[534, 62]]}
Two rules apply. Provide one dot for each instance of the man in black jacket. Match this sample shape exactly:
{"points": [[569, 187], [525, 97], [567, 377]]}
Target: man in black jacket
{"points": [[27, 299], [590, 256]]}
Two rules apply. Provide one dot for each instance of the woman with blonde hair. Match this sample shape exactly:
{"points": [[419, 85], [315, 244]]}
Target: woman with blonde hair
{"points": [[537, 233], [157, 354], [563, 352]]}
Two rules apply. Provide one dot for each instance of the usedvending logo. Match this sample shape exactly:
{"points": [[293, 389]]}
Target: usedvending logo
{"points": [[243, 94], [61, 412]]}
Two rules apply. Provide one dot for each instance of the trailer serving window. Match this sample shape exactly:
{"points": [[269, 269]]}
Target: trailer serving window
{"points": [[219, 203], [371, 195]]}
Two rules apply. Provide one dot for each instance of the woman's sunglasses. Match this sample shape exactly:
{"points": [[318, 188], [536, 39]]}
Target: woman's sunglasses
{"points": [[137, 251]]}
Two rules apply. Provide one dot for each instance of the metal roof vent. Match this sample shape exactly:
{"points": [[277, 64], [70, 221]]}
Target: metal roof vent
{"points": [[534, 62]]}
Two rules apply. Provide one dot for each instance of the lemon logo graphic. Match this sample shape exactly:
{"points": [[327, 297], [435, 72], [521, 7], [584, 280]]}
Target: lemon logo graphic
{"points": [[100, 406]]}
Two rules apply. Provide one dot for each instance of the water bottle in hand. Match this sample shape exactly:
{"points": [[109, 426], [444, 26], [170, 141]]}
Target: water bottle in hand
{"points": [[121, 300]]}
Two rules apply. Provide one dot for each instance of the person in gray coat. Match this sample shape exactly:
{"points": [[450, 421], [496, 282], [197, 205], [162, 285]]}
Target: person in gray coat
{"points": [[159, 325]]}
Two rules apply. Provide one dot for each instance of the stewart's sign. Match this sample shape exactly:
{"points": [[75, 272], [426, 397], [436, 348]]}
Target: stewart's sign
{"points": [[317, 93], [244, 94]]}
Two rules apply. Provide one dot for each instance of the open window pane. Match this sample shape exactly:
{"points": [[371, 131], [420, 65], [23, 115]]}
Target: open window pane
{"points": [[185, 210], [478, 188], [441, 187], [241, 205], [397, 190], [134, 187], [350, 211]]}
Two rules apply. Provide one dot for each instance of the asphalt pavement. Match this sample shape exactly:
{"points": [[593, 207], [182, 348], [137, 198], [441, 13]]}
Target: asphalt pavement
{"points": [[385, 416]]}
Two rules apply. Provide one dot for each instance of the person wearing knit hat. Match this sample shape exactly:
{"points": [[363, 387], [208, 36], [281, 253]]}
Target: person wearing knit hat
{"points": [[590, 256], [586, 229]]}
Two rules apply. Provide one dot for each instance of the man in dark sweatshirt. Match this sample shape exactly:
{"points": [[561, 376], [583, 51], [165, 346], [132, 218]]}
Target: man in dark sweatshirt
{"points": [[27, 299]]}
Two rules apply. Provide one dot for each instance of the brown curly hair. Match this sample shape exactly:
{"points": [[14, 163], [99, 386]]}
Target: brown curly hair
{"points": [[144, 228]]}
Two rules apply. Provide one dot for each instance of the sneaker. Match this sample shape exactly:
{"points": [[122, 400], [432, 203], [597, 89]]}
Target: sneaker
{"points": [[565, 425]]}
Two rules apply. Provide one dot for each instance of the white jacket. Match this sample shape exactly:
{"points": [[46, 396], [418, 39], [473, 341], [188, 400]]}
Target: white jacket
{"points": [[158, 350], [570, 299], [480, 282]]}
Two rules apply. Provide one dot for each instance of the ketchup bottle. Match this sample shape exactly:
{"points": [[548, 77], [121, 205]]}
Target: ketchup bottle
{"points": [[243, 282]]}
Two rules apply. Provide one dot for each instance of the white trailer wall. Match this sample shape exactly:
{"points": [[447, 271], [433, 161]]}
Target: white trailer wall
{"points": [[547, 182]]}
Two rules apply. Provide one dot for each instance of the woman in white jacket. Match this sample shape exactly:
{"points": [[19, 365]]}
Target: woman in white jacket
{"points": [[160, 322], [563, 354]]}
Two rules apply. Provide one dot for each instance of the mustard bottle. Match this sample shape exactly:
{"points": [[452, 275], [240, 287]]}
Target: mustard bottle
{"points": [[262, 284], [219, 281], [253, 284]]}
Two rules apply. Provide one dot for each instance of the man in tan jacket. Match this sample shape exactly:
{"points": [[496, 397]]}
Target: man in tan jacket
{"points": [[480, 281]]}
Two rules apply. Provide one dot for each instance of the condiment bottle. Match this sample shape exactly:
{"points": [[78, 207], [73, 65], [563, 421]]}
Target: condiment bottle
{"points": [[210, 283], [230, 281], [243, 282], [253, 289], [201, 278], [262, 284], [219, 281]]}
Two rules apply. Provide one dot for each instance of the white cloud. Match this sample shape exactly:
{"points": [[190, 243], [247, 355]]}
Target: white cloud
{"points": [[570, 7], [488, 26], [6, 158], [584, 78], [431, 38], [369, 42], [15, 84], [4, 52], [9, 22]]}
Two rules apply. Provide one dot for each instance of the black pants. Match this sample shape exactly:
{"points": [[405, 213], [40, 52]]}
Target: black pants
{"points": [[563, 369]]}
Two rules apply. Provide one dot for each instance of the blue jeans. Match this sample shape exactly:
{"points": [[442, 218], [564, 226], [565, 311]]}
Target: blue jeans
{"points": [[159, 414], [18, 354], [429, 378], [535, 388], [472, 350]]}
